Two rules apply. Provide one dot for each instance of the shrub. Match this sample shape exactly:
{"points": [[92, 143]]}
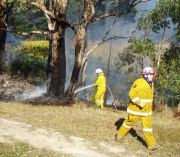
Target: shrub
{"points": [[30, 60]]}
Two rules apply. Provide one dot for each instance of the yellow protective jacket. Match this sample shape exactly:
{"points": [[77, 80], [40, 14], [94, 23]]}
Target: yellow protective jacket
{"points": [[101, 82], [141, 96]]}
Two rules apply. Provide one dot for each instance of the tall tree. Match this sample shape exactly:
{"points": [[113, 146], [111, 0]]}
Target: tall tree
{"points": [[164, 15], [168, 75], [55, 12], [89, 16], [3, 30], [7, 8]]}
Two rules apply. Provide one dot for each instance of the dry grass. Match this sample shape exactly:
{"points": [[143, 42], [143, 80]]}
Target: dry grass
{"points": [[96, 125], [76, 120]]}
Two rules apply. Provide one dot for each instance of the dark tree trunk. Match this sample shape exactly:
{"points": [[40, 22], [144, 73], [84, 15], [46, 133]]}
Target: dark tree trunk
{"points": [[57, 57], [49, 64], [3, 33], [79, 49], [58, 60]]}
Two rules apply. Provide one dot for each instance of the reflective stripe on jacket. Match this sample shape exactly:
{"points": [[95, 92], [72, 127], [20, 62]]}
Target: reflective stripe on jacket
{"points": [[141, 92]]}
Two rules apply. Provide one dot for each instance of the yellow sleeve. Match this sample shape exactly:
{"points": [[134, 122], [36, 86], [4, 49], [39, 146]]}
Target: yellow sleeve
{"points": [[97, 82], [133, 93]]}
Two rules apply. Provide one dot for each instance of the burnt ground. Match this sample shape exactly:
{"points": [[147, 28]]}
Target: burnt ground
{"points": [[11, 87], [17, 89]]}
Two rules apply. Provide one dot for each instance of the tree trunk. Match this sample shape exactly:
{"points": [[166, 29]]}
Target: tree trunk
{"points": [[83, 65], [3, 33], [79, 49], [58, 60], [142, 62], [49, 64], [108, 71], [83, 71]]}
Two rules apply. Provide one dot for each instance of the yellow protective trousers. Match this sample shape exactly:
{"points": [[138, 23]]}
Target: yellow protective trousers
{"points": [[147, 128], [99, 97]]}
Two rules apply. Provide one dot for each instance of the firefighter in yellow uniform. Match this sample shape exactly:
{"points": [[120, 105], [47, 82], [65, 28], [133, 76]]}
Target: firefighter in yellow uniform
{"points": [[101, 88], [140, 108]]}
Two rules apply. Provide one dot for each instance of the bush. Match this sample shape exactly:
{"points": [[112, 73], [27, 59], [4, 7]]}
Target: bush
{"points": [[168, 75], [30, 60]]}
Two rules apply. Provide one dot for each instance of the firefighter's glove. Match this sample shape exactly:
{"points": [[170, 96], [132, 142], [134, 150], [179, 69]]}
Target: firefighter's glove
{"points": [[140, 104], [93, 85]]}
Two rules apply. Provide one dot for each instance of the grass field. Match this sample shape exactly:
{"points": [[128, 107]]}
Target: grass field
{"points": [[94, 125]]}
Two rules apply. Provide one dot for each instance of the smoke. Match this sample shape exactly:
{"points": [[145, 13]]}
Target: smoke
{"points": [[32, 93], [12, 39]]}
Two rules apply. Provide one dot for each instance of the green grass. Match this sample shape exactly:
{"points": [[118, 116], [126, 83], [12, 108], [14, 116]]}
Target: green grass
{"points": [[95, 125], [24, 150]]}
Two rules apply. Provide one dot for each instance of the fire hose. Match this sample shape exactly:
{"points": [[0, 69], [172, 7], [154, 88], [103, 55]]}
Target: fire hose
{"points": [[89, 86]]}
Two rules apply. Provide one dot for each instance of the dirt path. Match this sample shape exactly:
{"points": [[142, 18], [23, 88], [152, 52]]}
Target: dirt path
{"points": [[54, 141]]}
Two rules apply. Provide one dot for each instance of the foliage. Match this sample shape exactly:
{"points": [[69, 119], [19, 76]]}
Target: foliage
{"points": [[165, 12], [125, 62], [144, 48], [75, 7], [31, 61], [25, 18], [161, 17], [168, 75], [38, 49], [131, 58]]}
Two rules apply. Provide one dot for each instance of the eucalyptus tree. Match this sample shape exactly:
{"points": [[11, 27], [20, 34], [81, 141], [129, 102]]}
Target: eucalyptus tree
{"points": [[55, 12], [7, 9], [168, 75], [165, 15], [89, 16], [142, 48], [22, 23]]}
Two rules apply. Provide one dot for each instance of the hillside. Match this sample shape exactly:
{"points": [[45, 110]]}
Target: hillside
{"points": [[79, 131]]}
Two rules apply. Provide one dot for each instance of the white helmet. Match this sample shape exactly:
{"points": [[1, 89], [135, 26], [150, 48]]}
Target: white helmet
{"points": [[98, 71], [148, 70]]}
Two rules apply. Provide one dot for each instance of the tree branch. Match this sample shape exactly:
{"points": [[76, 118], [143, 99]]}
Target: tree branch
{"points": [[125, 11], [32, 32], [26, 33], [110, 38], [49, 14], [44, 10], [101, 17], [104, 41], [89, 11], [141, 1]]}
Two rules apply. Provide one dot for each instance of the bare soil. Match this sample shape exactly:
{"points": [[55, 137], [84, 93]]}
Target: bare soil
{"points": [[54, 141]]}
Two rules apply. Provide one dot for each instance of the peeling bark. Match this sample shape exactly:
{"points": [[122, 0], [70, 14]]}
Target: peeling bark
{"points": [[55, 12], [58, 64], [79, 49]]}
